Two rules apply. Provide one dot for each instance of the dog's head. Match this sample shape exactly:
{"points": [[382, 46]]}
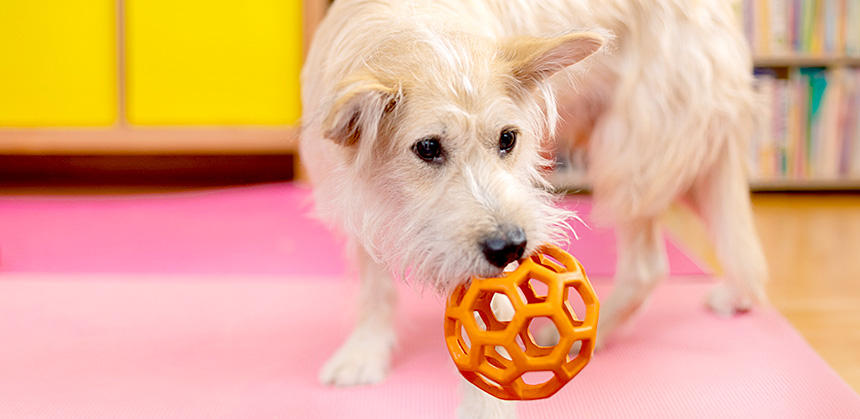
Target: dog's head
{"points": [[442, 139]]}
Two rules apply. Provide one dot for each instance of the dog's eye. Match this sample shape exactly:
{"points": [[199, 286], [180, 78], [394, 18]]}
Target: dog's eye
{"points": [[429, 150], [507, 141]]}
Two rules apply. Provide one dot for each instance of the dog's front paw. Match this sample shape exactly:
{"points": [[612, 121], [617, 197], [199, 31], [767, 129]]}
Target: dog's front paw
{"points": [[479, 405], [726, 300], [359, 361]]}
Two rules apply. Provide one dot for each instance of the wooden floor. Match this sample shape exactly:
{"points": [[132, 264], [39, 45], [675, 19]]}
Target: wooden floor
{"points": [[812, 243]]}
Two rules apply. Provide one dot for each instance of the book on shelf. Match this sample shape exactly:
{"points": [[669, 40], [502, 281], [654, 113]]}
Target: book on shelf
{"points": [[809, 127], [809, 27], [851, 28]]}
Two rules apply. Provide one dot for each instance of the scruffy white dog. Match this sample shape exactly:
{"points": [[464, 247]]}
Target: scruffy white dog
{"points": [[425, 122]]}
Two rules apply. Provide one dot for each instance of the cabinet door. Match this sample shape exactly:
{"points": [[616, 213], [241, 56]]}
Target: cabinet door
{"points": [[58, 63], [213, 62]]}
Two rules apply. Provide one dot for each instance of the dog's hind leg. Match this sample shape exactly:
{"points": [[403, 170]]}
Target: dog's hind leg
{"points": [[365, 357], [641, 265], [721, 197]]}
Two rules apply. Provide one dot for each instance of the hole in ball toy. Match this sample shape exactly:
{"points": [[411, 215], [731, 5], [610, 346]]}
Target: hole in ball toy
{"points": [[503, 309], [539, 289], [520, 342], [480, 320], [522, 295], [550, 262], [534, 378], [465, 339], [486, 380], [574, 350], [495, 362], [575, 305], [543, 331], [503, 352], [494, 309]]}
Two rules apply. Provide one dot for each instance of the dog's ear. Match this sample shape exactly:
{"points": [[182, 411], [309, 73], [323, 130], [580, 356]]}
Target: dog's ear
{"points": [[358, 109], [534, 59]]}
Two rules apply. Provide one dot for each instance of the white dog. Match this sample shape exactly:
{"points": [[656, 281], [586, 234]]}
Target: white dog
{"points": [[425, 122]]}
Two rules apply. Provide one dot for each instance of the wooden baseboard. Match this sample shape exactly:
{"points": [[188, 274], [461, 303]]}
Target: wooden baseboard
{"points": [[238, 140], [806, 185], [145, 169]]}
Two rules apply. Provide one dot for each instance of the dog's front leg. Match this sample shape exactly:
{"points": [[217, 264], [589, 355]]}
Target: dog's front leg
{"points": [[477, 404], [474, 402], [365, 357]]}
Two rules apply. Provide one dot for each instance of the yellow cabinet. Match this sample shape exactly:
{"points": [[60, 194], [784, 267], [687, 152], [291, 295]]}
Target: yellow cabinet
{"points": [[213, 62], [152, 76], [58, 63]]}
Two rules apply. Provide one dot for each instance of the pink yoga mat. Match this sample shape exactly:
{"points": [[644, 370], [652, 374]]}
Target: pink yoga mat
{"points": [[262, 229], [107, 347]]}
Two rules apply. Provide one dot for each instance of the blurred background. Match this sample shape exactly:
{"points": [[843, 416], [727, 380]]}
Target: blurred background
{"points": [[139, 91], [115, 97]]}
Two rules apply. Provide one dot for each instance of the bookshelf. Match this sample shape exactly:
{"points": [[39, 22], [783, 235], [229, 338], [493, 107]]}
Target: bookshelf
{"points": [[783, 66], [806, 58], [828, 129], [807, 64]]}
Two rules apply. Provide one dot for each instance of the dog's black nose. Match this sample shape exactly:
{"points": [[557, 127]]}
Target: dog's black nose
{"points": [[504, 247]]}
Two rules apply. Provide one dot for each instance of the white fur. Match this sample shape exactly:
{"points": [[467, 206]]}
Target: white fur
{"points": [[365, 357], [664, 109]]}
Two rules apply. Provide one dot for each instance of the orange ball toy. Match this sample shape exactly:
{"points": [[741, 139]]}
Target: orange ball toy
{"points": [[501, 356]]}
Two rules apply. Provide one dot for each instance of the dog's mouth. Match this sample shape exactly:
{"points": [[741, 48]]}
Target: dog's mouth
{"points": [[495, 272]]}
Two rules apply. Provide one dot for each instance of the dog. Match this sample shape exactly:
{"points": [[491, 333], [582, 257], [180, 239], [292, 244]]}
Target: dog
{"points": [[426, 128]]}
